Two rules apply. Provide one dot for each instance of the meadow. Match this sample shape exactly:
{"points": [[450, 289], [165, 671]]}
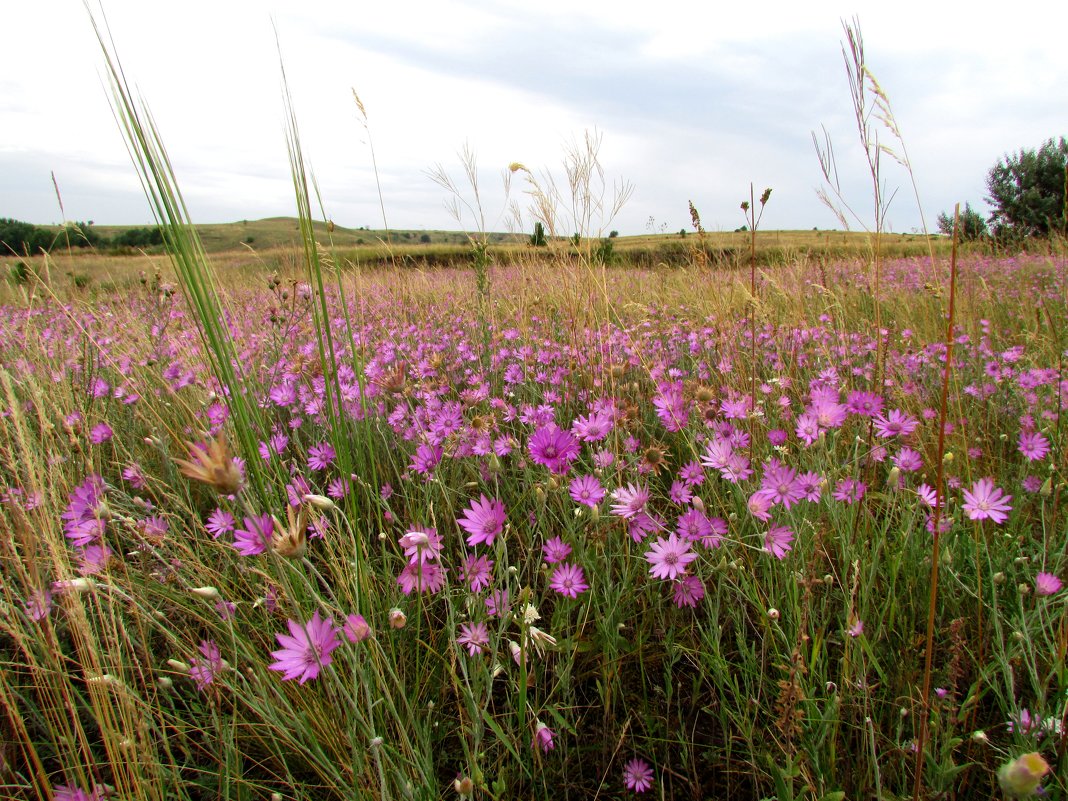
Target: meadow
{"points": [[551, 525]]}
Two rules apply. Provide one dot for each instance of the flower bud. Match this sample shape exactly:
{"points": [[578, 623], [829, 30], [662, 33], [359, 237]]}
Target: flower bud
{"points": [[207, 593], [397, 618], [773, 614], [320, 502]]}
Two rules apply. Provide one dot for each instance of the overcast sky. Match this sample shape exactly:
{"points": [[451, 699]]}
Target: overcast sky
{"points": [[693, 100]]}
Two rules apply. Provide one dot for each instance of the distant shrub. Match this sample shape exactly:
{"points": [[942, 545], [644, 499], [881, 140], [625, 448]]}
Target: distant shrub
{"points": [[19, 273], [537, 239], [972, 224], [425, 239]]}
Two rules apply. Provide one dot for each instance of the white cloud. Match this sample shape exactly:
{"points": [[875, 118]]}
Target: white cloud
{"points": [[694, 101]]}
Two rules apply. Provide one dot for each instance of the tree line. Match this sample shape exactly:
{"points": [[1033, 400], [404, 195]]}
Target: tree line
{"points": [[19, 238]]}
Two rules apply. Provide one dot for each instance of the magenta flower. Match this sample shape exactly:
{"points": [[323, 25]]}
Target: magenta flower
{"points": [[587, 490], [220, 522], [421, 576], [1047, 584], [554, 448], [555, 550], [780, 484], [669, 557], [543, 738], [477, 572], [39, 604], [483, 520], [1033, 445], [426, 458], [255, 537], [474, 637], [778, 541], [306, 649], [421, 545], [986, 501], [100, 433], [848, 491], [629, 501], [497, 603], [593, 427], [895, 423], [693, 525], [638, 775], [85, 512], [688, 591], [356, 628], [568, 580], [321, 456], [204, 668]]}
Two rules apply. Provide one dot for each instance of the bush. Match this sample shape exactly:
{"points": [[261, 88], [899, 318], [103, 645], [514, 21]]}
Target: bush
{"points": [[972, 224], [1027, 192], [537, 239]]}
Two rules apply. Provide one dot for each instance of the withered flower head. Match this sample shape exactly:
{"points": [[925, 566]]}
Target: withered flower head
{"points": [[290, 541], [212, 465]]}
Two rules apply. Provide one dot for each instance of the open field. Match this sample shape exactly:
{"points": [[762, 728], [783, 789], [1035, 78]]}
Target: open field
{"points": [[560, 531]]}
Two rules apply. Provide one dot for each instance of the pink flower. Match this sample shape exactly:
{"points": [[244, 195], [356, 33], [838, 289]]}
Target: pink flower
{"points": [[986, 501], [476, 571], [543, 737], [321, 456], [669, 557], [255, 537], [421, 545], [421, 576], [483, 520], [568, 580], [688, 591], [638, 775], [587, 490], [356, 628], [778, 541], [306, 649], [629, 501], [555, 550], [1047, 584], [203, 670], [39, 605], [1033, 445], [554, 448], [474, 637], [100, 434]]}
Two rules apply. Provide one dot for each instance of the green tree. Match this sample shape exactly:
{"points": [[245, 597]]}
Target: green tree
{"points": [[1027, 192], [537, 239], [972, 224]]}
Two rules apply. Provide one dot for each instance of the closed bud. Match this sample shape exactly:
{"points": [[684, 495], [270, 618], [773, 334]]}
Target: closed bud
{"points": [[773, 614], [1000, 578], [397, 618], [463, 785], [1047, 488], [178, 666], [320, 502], [207, 593]]}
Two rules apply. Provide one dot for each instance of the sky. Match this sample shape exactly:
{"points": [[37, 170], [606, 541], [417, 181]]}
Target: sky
{"points": [[689, 101]]}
